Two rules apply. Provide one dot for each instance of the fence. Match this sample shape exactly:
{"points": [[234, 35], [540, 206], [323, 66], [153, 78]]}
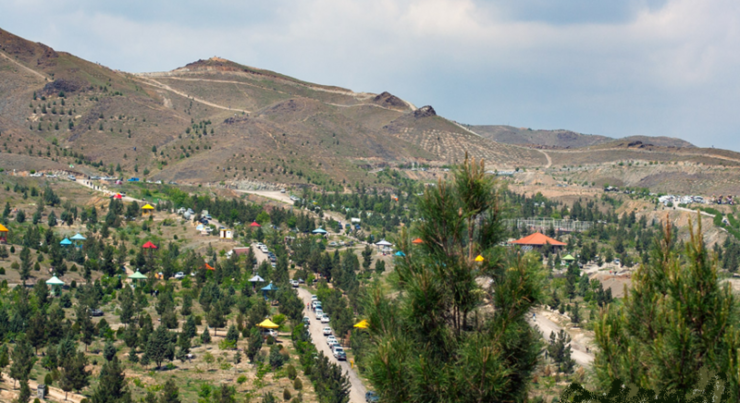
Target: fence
{"points": [[544, 224]]}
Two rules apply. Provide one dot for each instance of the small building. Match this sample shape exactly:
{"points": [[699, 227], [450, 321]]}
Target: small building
{"points": [[537, 241], [226, 234]]}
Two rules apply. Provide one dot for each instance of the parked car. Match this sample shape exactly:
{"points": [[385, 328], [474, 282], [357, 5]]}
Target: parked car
{"points": [[327, 331], [179, 275], [371, 397], [333, 343], [300, 281], [319, 314], [271, 332], [306, 320], [96, 312], [331, 339], [294, 284], [314, 298], [325, 319], [339, 354]]}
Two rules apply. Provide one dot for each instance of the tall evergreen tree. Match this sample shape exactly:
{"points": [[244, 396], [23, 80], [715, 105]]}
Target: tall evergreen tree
{"points": [[23, 359], [675, 321], [170, 393], [160, 346], [429, 343], [74, 376], [112, 386]]}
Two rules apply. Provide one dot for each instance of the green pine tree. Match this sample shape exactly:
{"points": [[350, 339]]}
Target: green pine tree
{"points": [[674, 322], [430, 334]]}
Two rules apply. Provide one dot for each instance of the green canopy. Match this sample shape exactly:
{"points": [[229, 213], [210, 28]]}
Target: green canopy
{"points": [[569, 258], [137, 276], [54, 281]]}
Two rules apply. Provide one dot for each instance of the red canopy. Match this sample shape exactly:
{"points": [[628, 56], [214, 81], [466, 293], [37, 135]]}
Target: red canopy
{"points": [[254, 224], [118, 196], [417, 241], [149, 245], [208, 267]]}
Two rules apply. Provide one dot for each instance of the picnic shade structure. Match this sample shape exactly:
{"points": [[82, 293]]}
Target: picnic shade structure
{"points": [[78, 238], [200, 227], [400, 254], [147, 209], [3, 234], [384, 243], [149, 245], [257, 279], [65, 242], [268, 288], [209, 267], [118, 196], [363, 324], [55, 284], [254, 224], [268, 324], [319, 230], [479, 258], [136, 277], [569, 258], [417, 241]]}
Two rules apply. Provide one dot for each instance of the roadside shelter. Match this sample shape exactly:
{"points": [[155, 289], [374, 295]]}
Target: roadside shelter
{"points": [[147, 209], [56, 285], [537, 241]]}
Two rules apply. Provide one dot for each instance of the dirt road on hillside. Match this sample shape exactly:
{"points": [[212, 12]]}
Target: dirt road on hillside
{"points": [[546, 326]]}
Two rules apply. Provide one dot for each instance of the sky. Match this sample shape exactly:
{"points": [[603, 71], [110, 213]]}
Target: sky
{"points": [[615, 68]]}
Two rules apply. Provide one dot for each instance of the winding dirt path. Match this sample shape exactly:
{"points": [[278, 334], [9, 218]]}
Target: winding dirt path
{"points": [[154, 83], [28, 69]]}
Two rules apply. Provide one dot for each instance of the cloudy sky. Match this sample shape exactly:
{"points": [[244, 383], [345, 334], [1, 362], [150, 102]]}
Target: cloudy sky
{"points": [[618, 68]]}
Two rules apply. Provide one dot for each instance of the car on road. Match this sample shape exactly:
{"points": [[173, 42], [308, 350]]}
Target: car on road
{"points": [[314, 298], [371, 397], [325, 319], [327, 331], [306, 320], [96, 312], [333, 343], [179, 275], [316, 304], [294, 283], [319, 314], [300, 281], [331, 339], [339, 354]]}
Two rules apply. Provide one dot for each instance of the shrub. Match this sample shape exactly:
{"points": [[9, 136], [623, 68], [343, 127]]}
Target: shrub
{"points": [[286, 394], [292, 372], [48, 379], [2, 271], [241, 379], [297, 384]]}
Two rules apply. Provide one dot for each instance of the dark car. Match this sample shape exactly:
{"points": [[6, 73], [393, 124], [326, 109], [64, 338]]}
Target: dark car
{"points": [[372, 397], [96, 312]]}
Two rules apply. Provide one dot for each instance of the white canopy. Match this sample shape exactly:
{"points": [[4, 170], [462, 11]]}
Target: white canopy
{"points": [[256, 279], [384, 243]]}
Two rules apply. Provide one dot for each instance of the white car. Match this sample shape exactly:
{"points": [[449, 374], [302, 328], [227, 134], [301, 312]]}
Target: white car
{"points": [[327, 331], [332, 343], [314, 298], [272, 333], [319, 314], [179, 275], [325, 319], [331, 339]]}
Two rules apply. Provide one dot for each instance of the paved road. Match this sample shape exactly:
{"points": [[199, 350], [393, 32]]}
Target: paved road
{"points": [[357, 390], [546, 326]]}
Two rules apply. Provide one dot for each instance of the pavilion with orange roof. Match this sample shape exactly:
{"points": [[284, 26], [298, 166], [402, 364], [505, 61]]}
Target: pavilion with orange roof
{"points": [[537, 240]]}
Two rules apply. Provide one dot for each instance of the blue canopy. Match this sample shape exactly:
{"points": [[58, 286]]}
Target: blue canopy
{"points": [[400, 253], [269, 287], [65, 242], [78, 237], [319, 231]]}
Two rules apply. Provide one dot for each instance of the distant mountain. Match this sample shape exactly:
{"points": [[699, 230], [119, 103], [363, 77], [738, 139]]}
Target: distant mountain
{"points": [[564, 138]]}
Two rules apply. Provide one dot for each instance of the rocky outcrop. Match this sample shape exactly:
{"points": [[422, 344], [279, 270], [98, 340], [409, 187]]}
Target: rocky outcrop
{"points": [[389, 100], [425, 111]]}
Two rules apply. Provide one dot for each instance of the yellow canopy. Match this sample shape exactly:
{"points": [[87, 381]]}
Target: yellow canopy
{"points": [[479, 258], [147, 207], [363, 324], [3, 229], [268, 324]]}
